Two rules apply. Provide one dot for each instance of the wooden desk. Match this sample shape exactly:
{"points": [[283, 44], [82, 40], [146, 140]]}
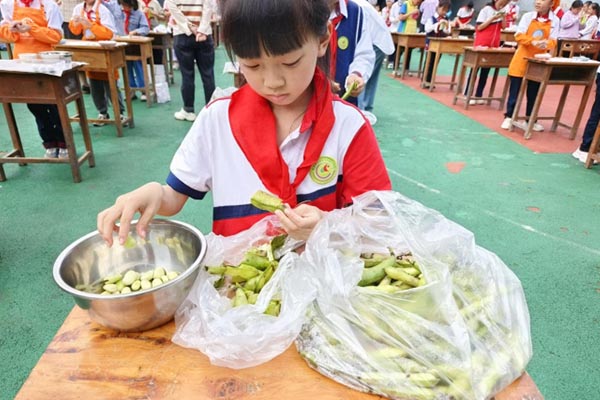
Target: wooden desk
{"points": [[507, 36], [565, 72], [406, 42], [107, 60], [578, 47], [140, 49], [38, 88], [468, 32], [84, 358], [441, 46], [476, 58], [164, 42]]}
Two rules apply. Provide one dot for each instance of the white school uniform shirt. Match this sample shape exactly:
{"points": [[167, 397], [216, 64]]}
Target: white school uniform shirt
{"points": [[380, 34], [51, 10], [394, 15], [106, 17], [590, 27]]}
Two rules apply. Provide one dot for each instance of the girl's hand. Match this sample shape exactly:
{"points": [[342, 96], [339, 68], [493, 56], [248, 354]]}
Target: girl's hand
{"points": [[146, 200], [201, 37], [360, 84], [133, 33], [540, 44], [85, 23], [300, 221], [15, 26]]}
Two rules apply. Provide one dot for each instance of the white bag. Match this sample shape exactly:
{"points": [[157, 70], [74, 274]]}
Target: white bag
{"points": [[162, 92]]}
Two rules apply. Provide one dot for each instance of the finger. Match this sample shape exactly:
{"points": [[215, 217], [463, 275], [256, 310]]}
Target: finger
{"points": [[102, 229], [285, 222], [144, 221]]}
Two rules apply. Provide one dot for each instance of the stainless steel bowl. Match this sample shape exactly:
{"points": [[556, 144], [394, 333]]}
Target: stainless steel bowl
{"points": [[88, 260]]}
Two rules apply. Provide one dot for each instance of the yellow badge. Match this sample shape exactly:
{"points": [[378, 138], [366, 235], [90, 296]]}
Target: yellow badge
{"points": [[324, 171], [343, 42]]}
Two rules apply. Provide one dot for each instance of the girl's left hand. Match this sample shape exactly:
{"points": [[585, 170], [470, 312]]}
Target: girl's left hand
{"points": [[360, 84], [299, 222]]}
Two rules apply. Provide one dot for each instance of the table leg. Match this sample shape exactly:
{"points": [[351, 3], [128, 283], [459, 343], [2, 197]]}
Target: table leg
{"points": [[397, 59], [453, 81], [425, 68], [85, 130], [474, 72], [536, 109], [405, 65], [114, 98], [515, 115], [147, 91], [559, 109], [420, 71], [127, 97], [153, 79], [461, 80], [586, 94], [591, 153], [504, 93], [68, 133], [434, 73], [15, 137], [493, 86]]}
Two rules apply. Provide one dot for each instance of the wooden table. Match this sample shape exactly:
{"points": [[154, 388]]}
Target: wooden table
{"points": [[164, 42], [578, 47], [140, 49], [405, 42], [476, 58], [556, 71], [468, 32], [107, 60], [84, 358], [594, 152], [439, 46], [507, 36], [38, 88]]}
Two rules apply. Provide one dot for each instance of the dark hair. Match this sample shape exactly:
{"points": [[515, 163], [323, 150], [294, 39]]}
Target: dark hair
{"points": [[596, 9], [275, 26], [470, 4], [131, 3], [577, 4], [444, 4]]}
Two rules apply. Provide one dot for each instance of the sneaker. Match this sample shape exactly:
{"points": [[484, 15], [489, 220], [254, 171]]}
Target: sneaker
{"points": [[370, 117], [538, 127], [175, 66], [390, 65], [101, 117], [506, 123], [51, 152], [124, 120], [63, 153], [521, 125], [478, 102], [582, 156], [134, 96], [183, 115], [143, 97]]}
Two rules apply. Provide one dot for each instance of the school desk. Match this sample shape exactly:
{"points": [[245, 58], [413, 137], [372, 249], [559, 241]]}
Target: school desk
{"points": [[86, 360], [107, 60], [476, 58], [21, 85], [405, 42], [140, 49], [164, 42], [507, 36], [578, 47], [8, 50], [555, 71], [594, 152], [439, 46]]}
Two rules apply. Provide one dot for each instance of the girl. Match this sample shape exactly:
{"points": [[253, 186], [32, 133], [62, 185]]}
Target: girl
{"points": [[135, 24], [569, 23], [283, 131], [536, 33], [95, 22], [490, 22], [591, 22], [464, 16], [35, 26], [154, 13], [436, 26], [512, 14]]}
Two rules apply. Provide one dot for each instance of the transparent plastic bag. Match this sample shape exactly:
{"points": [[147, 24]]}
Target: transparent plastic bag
{"points": [[244, 336], [463, 335]]}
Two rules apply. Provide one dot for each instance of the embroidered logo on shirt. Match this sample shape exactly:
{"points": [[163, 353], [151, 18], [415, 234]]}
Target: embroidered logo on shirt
{"points": [[324, 170], [538, 34], [343, 42]]}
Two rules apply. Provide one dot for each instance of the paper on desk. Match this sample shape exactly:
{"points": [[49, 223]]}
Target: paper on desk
{"points": [[55, 68]]}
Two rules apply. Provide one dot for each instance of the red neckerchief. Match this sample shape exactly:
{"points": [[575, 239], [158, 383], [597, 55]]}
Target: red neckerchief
{"points": [[89, 14], [254, 129], [127, 15], [146, 14], [333, 44], [27, 3], [543, 18]]}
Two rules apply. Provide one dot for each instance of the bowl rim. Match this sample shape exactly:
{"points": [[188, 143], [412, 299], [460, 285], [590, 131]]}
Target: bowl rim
{"points": [[93, 296]]}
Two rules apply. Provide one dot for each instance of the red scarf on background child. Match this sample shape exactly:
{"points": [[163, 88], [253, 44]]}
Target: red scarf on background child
{"points": [[146, 2], [27, 3], [254, 129], [127, 15]]}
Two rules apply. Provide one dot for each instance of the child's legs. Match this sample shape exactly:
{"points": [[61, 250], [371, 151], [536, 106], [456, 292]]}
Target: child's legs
{"points": [[184, 48], [367, 97], [98, 95], [49, 125], [592, 122], [532, 92], [430, 67], [407, 55], [483, 75], [205, 59], [513, 93], [109, 100], [138, 68]]}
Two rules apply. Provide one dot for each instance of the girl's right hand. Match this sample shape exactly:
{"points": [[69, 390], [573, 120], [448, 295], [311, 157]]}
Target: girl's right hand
{"points": [[146, 200]]}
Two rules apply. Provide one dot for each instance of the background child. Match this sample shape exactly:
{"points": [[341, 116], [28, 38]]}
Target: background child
{"points": [[490, 22], [284, 131], [95, 22], [512, 14], [409, 17], [464, 16], [536, 33], [35, 26], [591, 22], [569, 23], [436, 26], [135, 23]]}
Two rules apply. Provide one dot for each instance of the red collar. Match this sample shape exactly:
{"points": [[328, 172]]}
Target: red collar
{"points": [[27, 3], [254, 129], [543, 17]]}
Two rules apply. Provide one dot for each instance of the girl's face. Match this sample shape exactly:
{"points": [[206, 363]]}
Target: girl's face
{"points": [[576, 11], [499, 4], [126, 7], [442, 11], [543, 6], [285, 80]]}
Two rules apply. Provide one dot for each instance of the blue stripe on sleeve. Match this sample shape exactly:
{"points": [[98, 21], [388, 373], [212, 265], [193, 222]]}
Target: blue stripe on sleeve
{"points": [[228, 212], [182, 188]]}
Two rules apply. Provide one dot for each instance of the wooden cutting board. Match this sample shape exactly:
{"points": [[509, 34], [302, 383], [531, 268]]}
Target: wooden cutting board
{"points": [[87, 361]]}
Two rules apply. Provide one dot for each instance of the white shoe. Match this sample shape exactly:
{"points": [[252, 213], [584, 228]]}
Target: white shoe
{"points": [[506, 123], [582, 156], [390, 65], [124, 120], [183, 115], [63, 153], [51, 152], [538, 127], [143, 97], [521, 125], [101, 117], [476, 101], [370, 117]]}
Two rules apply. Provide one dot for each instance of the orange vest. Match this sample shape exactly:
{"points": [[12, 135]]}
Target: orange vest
{"points": [[537, 30], [26, 42]]}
